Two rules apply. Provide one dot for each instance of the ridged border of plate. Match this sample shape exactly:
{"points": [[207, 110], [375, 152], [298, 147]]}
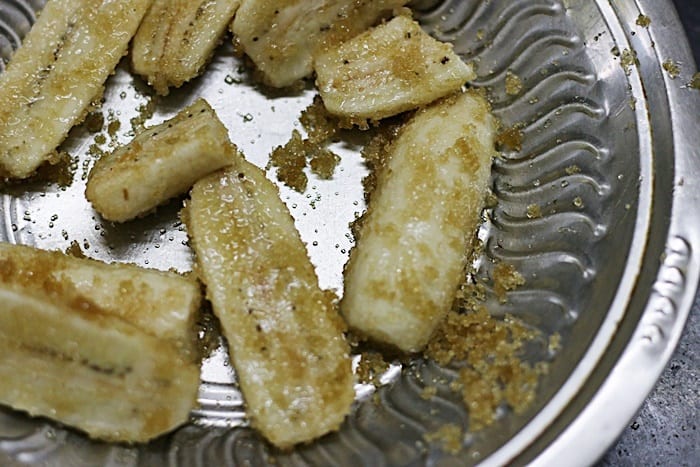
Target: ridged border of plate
{"points": [[649, 324]]}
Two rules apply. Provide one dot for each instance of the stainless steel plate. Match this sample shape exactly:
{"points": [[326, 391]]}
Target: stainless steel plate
{"points": [[611, 264]]}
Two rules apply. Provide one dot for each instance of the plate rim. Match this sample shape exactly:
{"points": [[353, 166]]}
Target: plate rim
{"points": [[665, 292]]}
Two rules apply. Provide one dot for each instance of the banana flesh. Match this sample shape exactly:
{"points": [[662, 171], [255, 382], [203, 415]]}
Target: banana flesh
{"points": [[162, 162], [409, 259], [106, 348], [177, 38], [60, 68], [283, 37], [284, 334], [387, 70]]}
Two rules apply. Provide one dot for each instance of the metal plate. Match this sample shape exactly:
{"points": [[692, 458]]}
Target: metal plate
{"points": [[611, 265]]}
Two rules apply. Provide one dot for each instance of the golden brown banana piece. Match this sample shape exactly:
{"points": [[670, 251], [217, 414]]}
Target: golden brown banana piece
{"points": [[106, 348], [387, 70], [283, 37], [284, 334], [177, 38], [409, 259], [162, 162], [59, 69]]}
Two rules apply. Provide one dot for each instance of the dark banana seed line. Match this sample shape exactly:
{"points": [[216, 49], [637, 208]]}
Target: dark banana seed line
{"points": [[83, 361]]}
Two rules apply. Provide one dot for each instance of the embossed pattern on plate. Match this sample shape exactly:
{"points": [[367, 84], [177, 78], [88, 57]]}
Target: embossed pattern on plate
{"points": [[568, 212]]}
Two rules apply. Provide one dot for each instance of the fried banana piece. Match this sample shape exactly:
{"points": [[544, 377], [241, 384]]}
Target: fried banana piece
{"points": [[387, 70], [106, 348], [284, 334], [162, 162], [177, 38], [283, 37], [409, 259], [56, 73]]}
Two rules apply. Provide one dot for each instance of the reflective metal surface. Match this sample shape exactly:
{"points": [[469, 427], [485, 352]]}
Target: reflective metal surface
{"points": [[611, 263]]}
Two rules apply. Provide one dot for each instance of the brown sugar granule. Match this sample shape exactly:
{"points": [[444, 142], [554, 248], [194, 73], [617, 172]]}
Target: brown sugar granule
{"points": [[290, 161], [513, 84], [510, 138], [481, 395], [520, 381], [534, 211], [113, 127], [323, 163], [628, 60], [145, 112], [491, 200], [75, 250], [59, 170], [573, 170], [370, 368], [428, 392], [238, 50], [471, 335], [450, 437], [672, 68], [695, 81], [95, 151], [494, 373], [542, 368], [318, 123], [505, 278], [375, 155], [554, 343], [643, 21], [94, 121]]}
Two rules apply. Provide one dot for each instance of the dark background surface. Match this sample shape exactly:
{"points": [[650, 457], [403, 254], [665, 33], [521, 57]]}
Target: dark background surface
{"points": [[689, 12], [665, 432]]}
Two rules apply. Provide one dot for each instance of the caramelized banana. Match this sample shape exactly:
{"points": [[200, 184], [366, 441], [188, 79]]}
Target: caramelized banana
{"points": [[106, 348], [285, 337], [177, 38], [57, 72], [283, 37], [387, 70], [160, 163], [409, 259]]}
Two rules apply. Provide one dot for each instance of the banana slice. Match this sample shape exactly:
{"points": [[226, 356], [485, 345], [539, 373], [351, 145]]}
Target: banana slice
{"points": [[283, 37], [177, 38], [160, 163], [106, 348], [60, 68], [387, 70], [284, 334], [409, 259]]}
